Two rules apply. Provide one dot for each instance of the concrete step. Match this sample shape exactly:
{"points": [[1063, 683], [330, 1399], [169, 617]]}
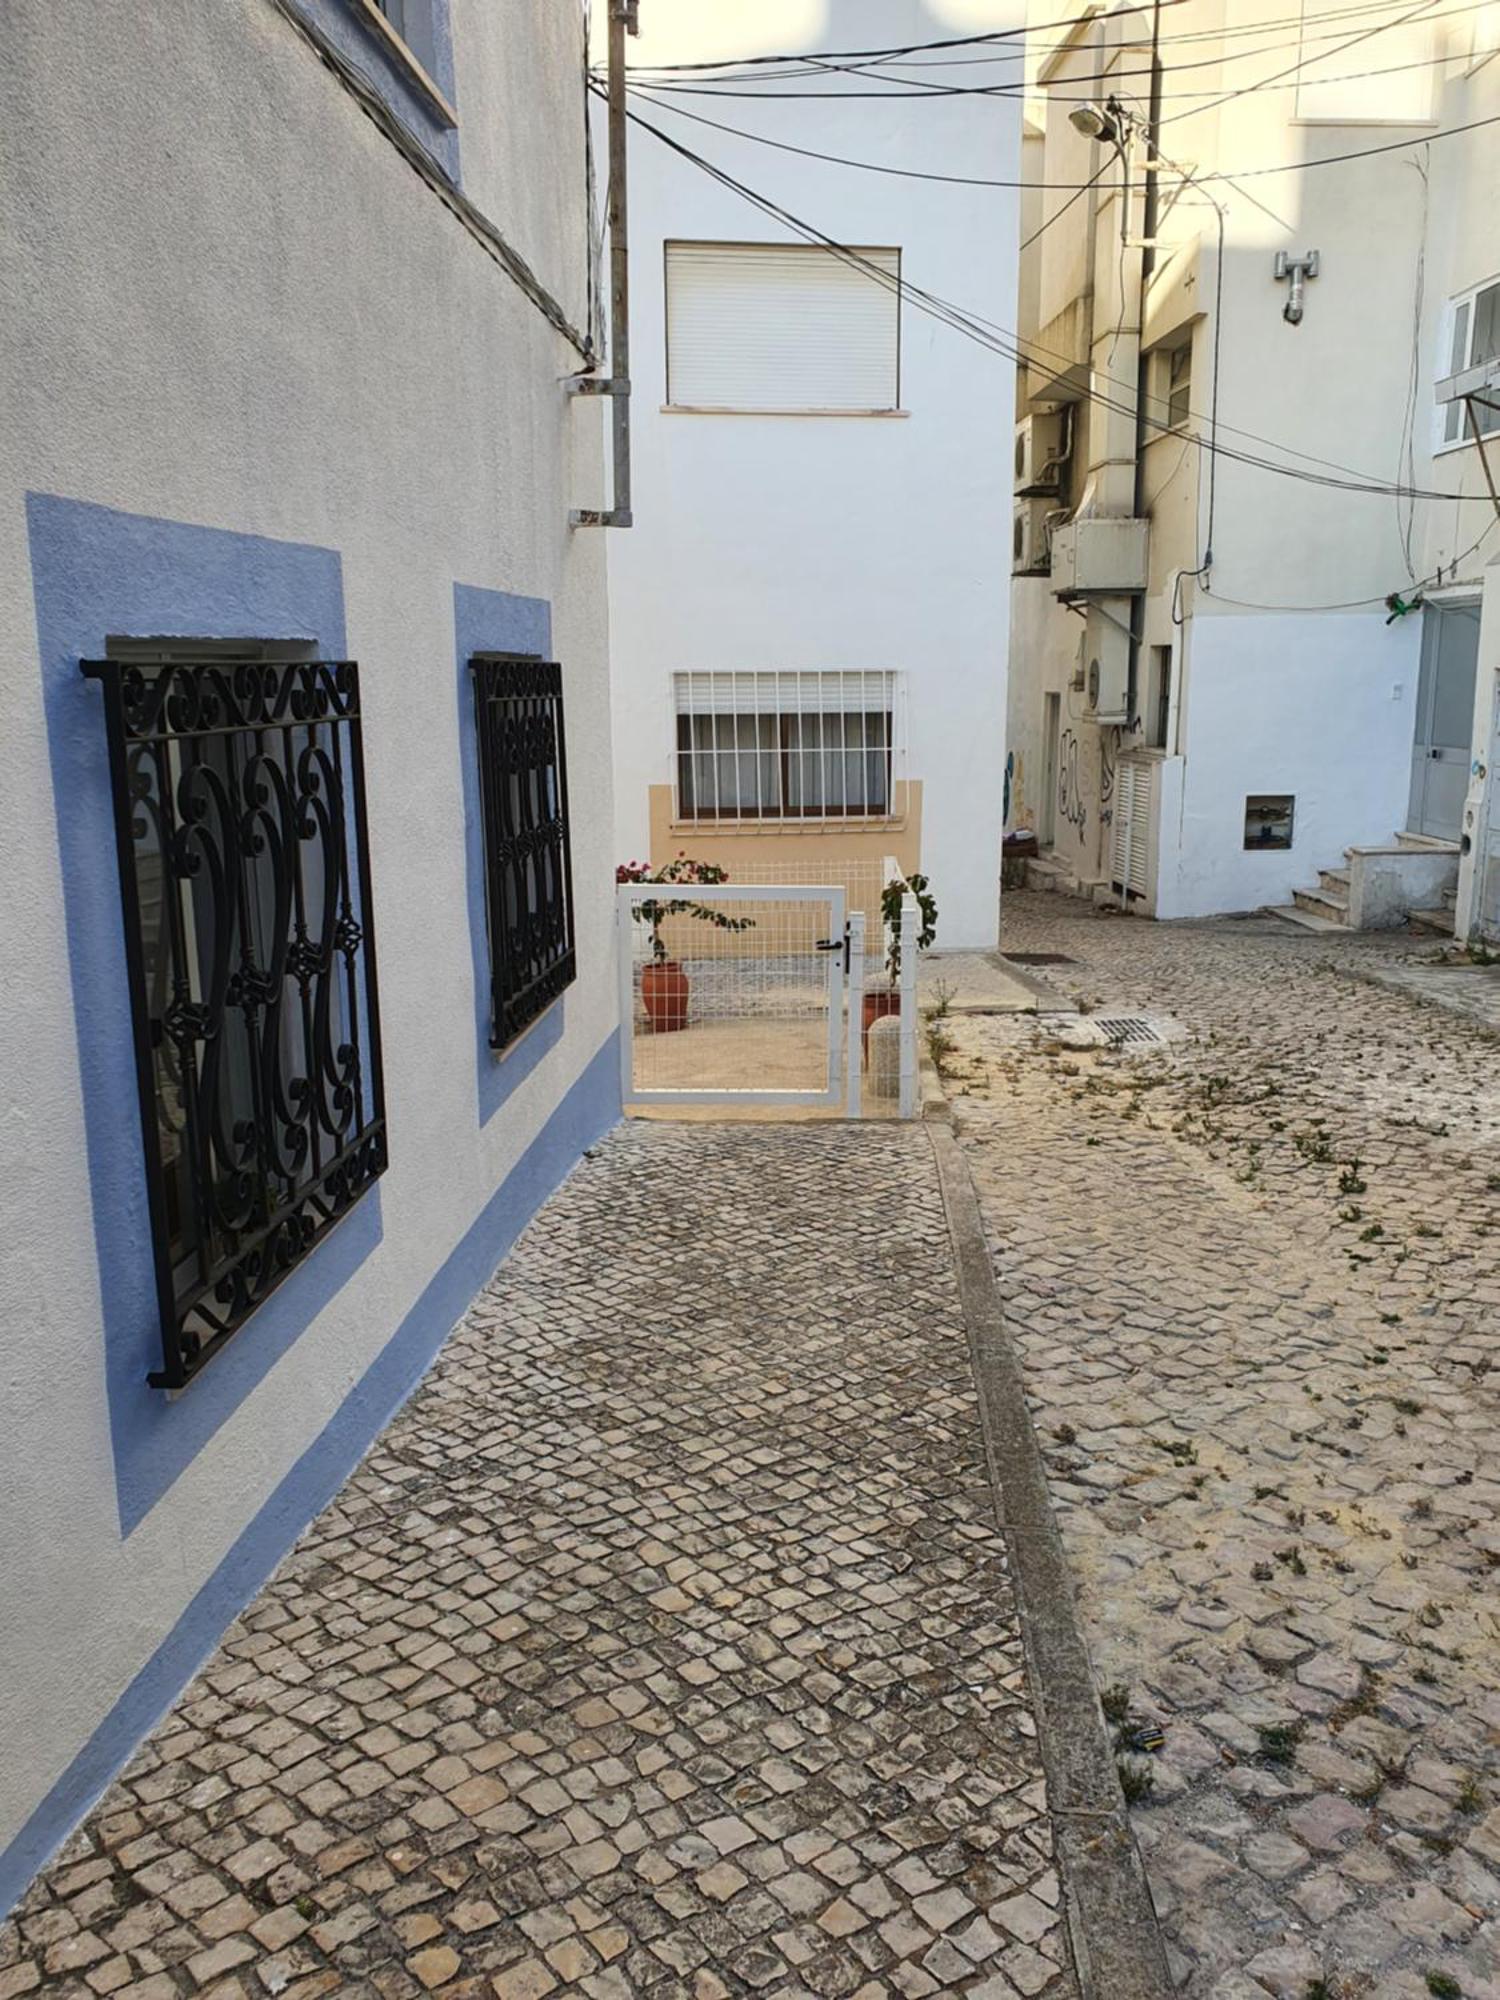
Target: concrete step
{"points": [[1304, 919], [1434, 920], [1330, 904], [1335, 879], [1426, 843]]}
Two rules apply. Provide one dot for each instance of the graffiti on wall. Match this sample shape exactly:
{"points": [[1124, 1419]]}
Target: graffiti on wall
{"points": [[1070, 801], [1017, 813], [1109, 750]]}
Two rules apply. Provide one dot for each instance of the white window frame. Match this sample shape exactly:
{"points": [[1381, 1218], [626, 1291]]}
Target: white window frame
{"points": [[1461, 302], [1159, 401], [894, 291], [767, 758]]}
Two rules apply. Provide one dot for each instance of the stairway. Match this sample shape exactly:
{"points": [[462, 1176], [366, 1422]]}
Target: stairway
{"points": [[1329, 902], [1414, 880], [1442, 916]]}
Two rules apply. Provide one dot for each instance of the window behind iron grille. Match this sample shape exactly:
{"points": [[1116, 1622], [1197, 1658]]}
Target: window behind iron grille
{"points": [[528, 881], [239, 802]]}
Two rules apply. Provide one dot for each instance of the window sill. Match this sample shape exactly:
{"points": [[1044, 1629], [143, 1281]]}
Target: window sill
{"points": [[503, 1055], [784, 828], [1391, 124], [1466, 443], [726, 410], [395, 47]]}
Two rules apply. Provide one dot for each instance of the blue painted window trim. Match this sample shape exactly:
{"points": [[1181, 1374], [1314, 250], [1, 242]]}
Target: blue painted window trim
{"points": [[494, 621], [98, 575], [361, 42], [587, 1111]]}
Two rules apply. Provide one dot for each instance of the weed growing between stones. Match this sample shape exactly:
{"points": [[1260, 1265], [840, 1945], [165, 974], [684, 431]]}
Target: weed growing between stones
{"points": [[1137, 1780], [1279, 1740], [1115, 1701]]}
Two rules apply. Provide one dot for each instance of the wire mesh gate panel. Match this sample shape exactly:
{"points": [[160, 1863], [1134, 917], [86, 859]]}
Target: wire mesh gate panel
{"points": [[731, 993]]}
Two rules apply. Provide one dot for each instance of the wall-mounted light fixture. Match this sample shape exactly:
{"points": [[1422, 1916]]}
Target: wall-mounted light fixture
{"points": [[1294, 271]]}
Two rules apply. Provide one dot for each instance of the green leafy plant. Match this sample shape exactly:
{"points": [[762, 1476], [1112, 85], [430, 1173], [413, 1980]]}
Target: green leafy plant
{"points": [[1115, 1701], [1279, 1740], [1137, 1780], [655, 912], [891, 899], [1443, 1986]]}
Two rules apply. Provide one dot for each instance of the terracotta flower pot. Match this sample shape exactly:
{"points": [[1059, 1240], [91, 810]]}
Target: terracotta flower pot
{"points": [[878, 1004], [664, 991]]}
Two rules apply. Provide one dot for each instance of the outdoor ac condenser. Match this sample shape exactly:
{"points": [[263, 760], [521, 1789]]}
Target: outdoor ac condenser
{"points": [[1039, 462], [1106, 668], [1030, 547], [1099, 555]]}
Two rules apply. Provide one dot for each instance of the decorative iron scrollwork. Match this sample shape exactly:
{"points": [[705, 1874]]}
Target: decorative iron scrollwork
{"points": [[528, 881], [244, 874]]}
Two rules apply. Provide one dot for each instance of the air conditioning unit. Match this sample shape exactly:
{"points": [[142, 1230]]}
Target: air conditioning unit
{"points": [[1030, 551], [1039, 454], [1106, 669], [1099, 556]]}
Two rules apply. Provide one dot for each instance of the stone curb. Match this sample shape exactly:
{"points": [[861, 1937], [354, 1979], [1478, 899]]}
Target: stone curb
{"points": [[1112, 1924]]}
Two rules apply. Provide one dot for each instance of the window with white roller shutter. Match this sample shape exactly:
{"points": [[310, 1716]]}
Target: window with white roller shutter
{"points": [[779, 327]]}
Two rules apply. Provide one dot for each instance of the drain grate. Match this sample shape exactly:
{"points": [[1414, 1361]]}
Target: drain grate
{"points": [[1127, 1028], [1039, 958]]}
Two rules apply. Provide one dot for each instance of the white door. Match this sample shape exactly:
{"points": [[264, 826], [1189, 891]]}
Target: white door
{"points": [[1442, 750]]}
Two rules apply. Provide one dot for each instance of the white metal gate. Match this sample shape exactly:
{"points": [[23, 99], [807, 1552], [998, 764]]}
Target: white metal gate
{"points": [[735, 992]]}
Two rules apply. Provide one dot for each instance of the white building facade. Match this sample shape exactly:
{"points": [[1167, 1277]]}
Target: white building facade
{"points": [[1285, 635], [808, 618], [293, 290]]}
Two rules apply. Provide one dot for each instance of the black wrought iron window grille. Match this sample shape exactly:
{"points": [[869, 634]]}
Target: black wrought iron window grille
{"points": [[528, 879], [239, 802]]}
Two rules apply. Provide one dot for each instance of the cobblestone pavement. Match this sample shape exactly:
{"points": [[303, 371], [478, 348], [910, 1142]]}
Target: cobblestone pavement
{"points": [[662, 1646], [1252, 1275]]}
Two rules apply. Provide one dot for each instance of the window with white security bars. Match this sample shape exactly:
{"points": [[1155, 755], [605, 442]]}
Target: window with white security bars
{"points": [[785, 746], [785, 329]]}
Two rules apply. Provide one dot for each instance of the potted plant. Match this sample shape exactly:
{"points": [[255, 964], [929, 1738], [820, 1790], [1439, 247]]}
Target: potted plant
{"points": [[882, 1000], [664, 984]]}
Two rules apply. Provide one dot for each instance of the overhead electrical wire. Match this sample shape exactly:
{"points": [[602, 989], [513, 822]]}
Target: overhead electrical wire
{"points": [[1009, 35], [1009, 345], [665, 81], [1063, 187], [1424, 7], [1114, 78], [903, 49]]}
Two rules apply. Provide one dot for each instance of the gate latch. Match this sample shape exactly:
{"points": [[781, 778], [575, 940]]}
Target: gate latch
{"points": [[836, 944]]}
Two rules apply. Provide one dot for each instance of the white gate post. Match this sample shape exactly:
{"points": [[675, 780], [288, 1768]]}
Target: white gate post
{"points": [[911, 926], [855, 1003], [625, 973]]}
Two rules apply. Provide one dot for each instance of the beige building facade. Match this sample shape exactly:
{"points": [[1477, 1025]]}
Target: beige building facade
{"points": [[1251, 547]]}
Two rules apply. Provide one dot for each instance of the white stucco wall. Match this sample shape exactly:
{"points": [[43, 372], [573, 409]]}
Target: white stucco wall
{"points": [[834, 543], [1319, 708], [230, 302], [1267, 674]]}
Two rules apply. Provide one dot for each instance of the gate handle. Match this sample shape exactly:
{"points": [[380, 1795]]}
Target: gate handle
{"points": [[836, 944]]}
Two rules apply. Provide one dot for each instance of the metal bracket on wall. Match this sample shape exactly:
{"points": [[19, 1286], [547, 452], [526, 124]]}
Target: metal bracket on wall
{"points": [[595, 385]]}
